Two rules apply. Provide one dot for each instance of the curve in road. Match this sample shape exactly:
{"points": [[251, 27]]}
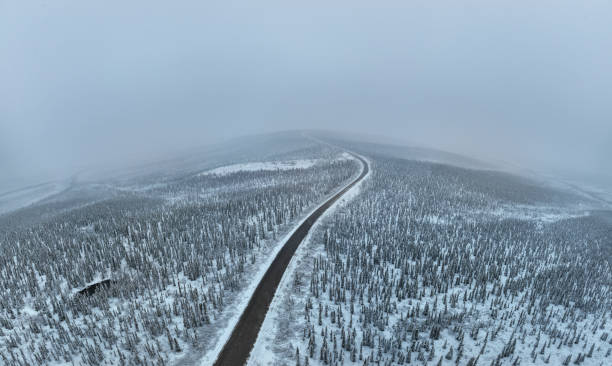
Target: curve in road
{"points": [[238, 347]]}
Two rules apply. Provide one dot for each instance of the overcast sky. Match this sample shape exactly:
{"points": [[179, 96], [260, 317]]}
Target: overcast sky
{"points": [[83, 82]]}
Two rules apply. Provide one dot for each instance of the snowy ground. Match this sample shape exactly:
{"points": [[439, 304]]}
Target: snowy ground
{"points": [[540, 214], [27, 196], [262, 166], [268, 166]]}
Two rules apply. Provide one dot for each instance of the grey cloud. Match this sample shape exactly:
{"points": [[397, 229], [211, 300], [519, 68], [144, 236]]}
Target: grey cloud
{"points": [[90, 82]]}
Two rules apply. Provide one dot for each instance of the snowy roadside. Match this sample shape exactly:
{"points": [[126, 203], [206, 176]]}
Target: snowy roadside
{"points": [[262, 353]]}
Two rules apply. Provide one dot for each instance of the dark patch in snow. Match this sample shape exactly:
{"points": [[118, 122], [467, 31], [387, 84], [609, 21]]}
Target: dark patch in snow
{"points": [[91, 289]]}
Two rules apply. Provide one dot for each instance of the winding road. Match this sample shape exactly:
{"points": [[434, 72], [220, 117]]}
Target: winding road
{"points": [[238, 347]]}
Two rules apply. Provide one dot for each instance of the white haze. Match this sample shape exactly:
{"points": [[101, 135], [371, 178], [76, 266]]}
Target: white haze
{"points": [[85, 83]]}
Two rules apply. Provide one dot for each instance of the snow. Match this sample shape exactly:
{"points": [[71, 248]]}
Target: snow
{"points": [[540, 214], [261, 353], [15, 200], [261, 166]]}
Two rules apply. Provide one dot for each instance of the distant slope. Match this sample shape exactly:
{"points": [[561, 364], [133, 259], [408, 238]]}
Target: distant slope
{"points": [[13, 200], [494, 178], [403, 151]]}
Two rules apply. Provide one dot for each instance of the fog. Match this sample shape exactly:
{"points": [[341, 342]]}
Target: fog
{"points": [[85, 83]]}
